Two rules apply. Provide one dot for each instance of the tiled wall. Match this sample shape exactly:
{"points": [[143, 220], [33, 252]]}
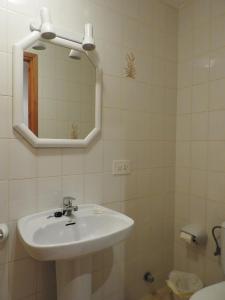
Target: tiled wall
{"points": [[138, 124], [200, 148]]}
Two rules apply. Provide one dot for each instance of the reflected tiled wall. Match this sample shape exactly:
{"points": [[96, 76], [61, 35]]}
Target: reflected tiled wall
{"points": [[66, 89], [138, 124], [200, 147]]}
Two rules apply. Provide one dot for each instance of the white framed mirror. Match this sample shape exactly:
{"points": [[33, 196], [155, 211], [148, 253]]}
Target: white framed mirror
{"points": [[56, 92]]}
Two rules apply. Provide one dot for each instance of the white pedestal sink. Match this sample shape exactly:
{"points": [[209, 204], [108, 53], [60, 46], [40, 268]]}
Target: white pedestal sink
{"points": [[64, 239]]}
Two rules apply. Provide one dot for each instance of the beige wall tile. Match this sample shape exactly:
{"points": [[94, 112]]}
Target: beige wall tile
{"points": [[201, 39], [16, 250], [22, 286], [184, 102], [49, 194], [200, 96], [218, 32], [4, 198], [180, 254], [199, 128], [183, 128], [216, 189], [183, 157], [218, 7], [216, 158], [22, 198], [197, 210], [199, 155], [112, 91], [182, 208], [72, 161], [213, 272], [217, 63], [183, 180], [49, 162], [5, 117], [201, 10], [199, 183], [185, 44], [200, 69], [22, 160], [185, 74], [93, 188], [216, 96], [4, 293], [216, 125], [215, 213], [73, 185], [93, 159], [130, 32]]}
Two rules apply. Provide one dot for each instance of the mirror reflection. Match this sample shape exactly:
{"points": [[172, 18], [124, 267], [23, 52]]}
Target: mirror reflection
{"points": [[58, 92]]}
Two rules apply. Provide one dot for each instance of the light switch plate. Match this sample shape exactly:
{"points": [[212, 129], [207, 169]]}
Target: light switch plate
{"points": [[121, 167]]}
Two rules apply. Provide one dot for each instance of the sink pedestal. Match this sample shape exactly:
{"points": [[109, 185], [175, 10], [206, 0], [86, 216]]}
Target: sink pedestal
{"points": [[73, 279]]}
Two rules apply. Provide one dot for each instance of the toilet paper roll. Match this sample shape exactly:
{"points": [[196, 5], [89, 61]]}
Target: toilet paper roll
{"points": [[186, 237]]}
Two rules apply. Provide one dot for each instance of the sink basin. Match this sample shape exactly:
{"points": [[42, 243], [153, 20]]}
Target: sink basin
{"points": [[64, 239], [90, 229]]}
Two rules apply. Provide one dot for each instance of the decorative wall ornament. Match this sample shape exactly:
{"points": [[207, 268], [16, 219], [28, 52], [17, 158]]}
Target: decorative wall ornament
{"points": [[130, 69]]}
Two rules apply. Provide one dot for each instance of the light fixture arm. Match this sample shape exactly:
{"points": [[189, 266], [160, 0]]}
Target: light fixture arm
{"points": [[34, 28], [48, 32], [45, 15]]}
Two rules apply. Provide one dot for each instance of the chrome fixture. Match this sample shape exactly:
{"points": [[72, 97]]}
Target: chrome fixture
{"points": [[68, 207]]}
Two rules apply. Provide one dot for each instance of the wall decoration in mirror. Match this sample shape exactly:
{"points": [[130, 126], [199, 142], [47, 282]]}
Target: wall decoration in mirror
{"points": [[130, 69], [56, 90]]}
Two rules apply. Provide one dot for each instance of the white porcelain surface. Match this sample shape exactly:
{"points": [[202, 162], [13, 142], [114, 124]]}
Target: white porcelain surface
{"points": [[95, 228], [215, 292]]}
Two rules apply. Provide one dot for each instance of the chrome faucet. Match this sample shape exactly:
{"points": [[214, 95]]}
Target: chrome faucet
{"points": [[68, 207]]}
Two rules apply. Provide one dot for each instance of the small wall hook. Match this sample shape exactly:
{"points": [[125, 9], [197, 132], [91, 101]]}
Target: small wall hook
{"points": [[4, 232], [148, 277]]}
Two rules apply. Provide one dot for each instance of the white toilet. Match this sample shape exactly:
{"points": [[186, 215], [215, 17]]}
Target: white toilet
{"points": [[212, 292], [215, 291]]}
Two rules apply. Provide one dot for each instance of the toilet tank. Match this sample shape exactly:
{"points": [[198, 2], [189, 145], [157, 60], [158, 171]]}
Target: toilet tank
{"points": [[222, 241]]}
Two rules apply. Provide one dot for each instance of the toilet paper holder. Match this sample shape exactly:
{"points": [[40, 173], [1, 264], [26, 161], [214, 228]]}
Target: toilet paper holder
{"points": [[194, 233]]}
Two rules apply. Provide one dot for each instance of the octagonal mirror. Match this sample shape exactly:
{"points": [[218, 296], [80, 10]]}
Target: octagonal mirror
{"points": [[56, 93]]}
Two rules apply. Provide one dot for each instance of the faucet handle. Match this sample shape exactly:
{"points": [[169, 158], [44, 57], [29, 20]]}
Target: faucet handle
{"points": [[68, 201]]}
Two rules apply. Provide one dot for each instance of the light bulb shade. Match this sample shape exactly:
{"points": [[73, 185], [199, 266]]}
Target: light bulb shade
{"points": [[39, 46], [74, 54], [47, 29], [88, 41]]}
